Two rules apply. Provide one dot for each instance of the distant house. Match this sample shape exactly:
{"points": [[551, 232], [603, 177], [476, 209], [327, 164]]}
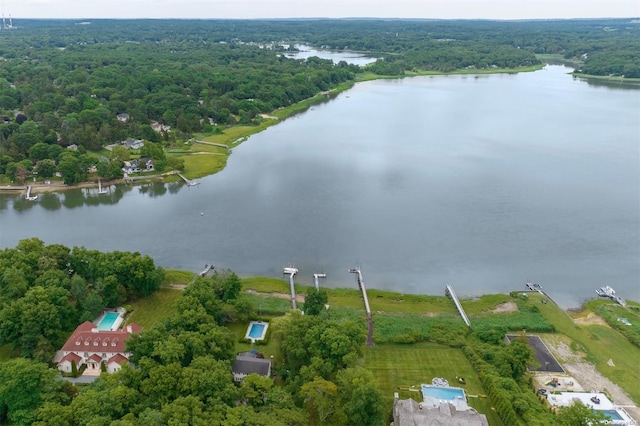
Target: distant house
{"points": [[249, 363], [91, 347], [158, 127], [132, 143], [73, 147], [123, 117], [138, 166]]}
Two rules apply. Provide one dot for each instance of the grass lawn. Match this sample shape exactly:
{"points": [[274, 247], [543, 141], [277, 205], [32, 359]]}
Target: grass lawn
{"points": [[200, 165], [271, 348], [396, 368], [174, 276], [152, 309], [600, 343]]}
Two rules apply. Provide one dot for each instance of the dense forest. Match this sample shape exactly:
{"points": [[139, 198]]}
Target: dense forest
{"points": [[64, 83]]}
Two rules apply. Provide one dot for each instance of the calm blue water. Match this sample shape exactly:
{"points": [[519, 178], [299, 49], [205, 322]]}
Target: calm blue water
{"points": [[481, 182], [256, 331], [442, 393], [108, 320]]}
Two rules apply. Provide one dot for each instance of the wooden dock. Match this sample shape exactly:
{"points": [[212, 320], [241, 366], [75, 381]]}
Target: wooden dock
{"points": [[452, 294], [187, 181], [358, 273]]}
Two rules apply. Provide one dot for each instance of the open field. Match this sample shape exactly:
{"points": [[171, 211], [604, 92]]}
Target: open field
{"points": [[396, 368], [155, 308]]}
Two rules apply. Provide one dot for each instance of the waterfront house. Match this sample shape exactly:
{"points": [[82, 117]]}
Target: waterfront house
{"points": [[91, 347], [138, 166]]}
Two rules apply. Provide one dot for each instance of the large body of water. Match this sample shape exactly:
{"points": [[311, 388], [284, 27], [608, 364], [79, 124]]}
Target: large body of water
{"points": [[482, 182]]}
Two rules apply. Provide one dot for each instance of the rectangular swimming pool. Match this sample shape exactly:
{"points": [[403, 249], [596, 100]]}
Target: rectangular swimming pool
{"points": [[107, 322], [256, 330], [445, 393]]}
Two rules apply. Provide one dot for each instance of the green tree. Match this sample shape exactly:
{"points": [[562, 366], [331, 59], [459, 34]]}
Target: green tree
{"points": [[321, 399], [361, 399], [579, 414], [46, 168], [24, 386], [315, 300]]}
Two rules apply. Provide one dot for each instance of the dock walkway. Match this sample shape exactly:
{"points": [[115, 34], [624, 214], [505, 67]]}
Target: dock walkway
{"points": [[452, 294]]}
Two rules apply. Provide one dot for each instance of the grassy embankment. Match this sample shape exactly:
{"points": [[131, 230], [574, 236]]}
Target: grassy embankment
{"points": [[597, 343], [398, 367]]}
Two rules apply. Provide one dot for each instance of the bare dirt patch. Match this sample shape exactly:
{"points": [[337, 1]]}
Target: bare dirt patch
{"points": [[178, 286], [506, 307], [299, 297], [269, 116], [591, 318]]}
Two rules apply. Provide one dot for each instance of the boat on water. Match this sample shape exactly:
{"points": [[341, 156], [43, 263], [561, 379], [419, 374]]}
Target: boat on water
{"points": [[534, 286], [609, 292]]}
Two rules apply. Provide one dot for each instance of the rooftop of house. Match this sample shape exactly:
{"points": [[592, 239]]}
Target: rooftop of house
{"points": [[87, 338], [247, 364], [407, 412]]}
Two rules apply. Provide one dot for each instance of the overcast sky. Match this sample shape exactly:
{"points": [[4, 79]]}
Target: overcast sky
{"points": [[208, 9]]}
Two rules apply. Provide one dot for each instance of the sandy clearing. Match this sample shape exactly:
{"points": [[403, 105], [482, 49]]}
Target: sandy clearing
{"points": [[299, 297], [506, 307], [591, 318]]}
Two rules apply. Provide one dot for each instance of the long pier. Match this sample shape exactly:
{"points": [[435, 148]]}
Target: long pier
{"points": [[452, 294], [358, 273], [291, 271]]}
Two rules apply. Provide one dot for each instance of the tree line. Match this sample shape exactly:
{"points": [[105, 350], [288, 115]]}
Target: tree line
{"points": [[64, 84]]}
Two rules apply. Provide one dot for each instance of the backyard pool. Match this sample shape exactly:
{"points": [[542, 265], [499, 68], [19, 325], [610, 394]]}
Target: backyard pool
{"points": [[256, 330], [445, 393], [612, 414], [108, 320]]}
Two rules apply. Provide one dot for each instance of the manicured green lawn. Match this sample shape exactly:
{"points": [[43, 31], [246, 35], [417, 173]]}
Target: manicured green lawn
{"points": [[271, 348], [397, 368], [152, 309], [174, 276]]}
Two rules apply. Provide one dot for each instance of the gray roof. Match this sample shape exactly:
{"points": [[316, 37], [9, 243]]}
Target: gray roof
{"points": [[247, 365], [407, 412]]}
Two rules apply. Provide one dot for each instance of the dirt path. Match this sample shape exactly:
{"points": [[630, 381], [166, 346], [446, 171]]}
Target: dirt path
{"points": [[299, 297]]}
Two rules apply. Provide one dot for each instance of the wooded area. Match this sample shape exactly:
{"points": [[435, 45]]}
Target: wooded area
{"points": [[88, 85]]}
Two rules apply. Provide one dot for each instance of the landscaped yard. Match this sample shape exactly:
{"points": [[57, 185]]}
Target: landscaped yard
{"points": [[152, 309], [396, 368]]}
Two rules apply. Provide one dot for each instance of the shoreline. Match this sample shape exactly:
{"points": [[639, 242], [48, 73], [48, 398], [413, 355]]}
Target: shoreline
{"points": [[270, 119]]}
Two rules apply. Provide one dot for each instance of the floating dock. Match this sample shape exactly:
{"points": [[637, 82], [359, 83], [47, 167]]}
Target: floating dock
{"points": [[187, 181]]}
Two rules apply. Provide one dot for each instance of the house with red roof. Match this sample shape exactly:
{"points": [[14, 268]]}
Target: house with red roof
{"points": [[91, 347]]}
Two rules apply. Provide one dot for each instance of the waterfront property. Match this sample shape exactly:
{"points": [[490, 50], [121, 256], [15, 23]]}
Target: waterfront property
{"points": [[596, 401], [256, 330], [407, 412], [91, 347]]}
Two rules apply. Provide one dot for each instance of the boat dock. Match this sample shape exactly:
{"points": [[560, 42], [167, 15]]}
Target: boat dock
{"points": [[29, 196], [358, 273], [609, 292], [452, 294], [207, 268], [187, 181], [291, 271]]}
